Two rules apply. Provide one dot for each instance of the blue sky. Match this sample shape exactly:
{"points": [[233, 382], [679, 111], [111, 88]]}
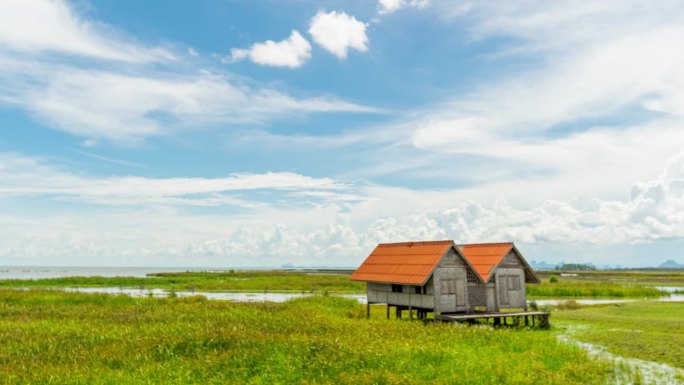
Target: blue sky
{"points": [[259, 133]]}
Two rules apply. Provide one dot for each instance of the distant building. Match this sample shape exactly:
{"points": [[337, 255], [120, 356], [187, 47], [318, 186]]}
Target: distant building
{"points": [[442, 277]]}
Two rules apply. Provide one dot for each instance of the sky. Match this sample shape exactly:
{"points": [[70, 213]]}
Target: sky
{"points": [[241, 133]]}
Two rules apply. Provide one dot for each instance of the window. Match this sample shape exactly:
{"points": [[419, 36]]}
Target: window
{"points": [[513, 282], [397, 289], [471, 277], [448, 286], [420, 289]]}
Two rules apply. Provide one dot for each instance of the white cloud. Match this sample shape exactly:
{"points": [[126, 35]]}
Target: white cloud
{"points": [[598, 107], [332, 233], [338, 32], [126, 104], [292, 52], [38, 26], [128, 107], [601, 93], [389, 6], [542, 25], [24, 176]]}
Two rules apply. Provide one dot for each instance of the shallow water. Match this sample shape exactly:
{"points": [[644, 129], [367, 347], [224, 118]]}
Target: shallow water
{"points": [[556, 302], [670, 289], [282, 297], [236, 297]]}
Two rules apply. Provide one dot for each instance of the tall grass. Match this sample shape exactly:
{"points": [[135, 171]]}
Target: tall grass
{"points": [[72, 338], [577, 289]]}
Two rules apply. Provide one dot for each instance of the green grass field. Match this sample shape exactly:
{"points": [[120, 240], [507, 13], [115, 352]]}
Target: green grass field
{"points": [[652, 331], [70, 338]]}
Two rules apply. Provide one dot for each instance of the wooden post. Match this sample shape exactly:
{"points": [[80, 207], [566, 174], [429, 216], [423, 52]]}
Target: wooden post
{"points": [[367, 310], [544, 322], [397, 310], [410, 312], [526, 322], [388, 306]]}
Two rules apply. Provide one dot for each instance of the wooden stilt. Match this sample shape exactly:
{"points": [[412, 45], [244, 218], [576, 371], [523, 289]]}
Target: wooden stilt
{"points": [[388, 311], [544, 322], [367, 310], [410, 312]]}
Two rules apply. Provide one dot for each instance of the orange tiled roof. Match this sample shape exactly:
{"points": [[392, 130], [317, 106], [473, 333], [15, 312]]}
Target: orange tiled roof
{"points": [[409, 263], [484, 257]]}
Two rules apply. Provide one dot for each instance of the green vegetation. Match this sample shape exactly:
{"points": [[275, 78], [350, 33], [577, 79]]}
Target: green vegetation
{"points": [[245, 281], [652, 331], [71, 338], [576, 266], [641, 277], [563, 288]]}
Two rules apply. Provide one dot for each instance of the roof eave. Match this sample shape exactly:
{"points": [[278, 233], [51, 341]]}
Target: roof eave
{"points": [[527, 265]]}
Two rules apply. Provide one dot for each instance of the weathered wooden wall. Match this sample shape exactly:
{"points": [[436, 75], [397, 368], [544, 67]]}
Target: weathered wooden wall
{"points": [[451, 290], [382, 293]]}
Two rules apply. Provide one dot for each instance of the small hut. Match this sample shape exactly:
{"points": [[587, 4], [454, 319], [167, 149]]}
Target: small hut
{"points": [[502, 273], [445, 278]]}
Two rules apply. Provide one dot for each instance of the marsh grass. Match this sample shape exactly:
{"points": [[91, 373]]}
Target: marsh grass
{"points": [[651, 331], [74, 338], [582, 289]]}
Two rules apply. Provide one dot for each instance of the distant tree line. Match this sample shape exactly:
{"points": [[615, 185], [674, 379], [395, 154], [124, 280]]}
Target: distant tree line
{"points": [[576, 266]]}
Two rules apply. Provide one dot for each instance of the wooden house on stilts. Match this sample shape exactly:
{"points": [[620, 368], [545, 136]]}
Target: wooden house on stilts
{"points": [[444, 278]]}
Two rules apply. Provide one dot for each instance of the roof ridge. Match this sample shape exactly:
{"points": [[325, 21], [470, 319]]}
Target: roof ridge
{"points": [[416, 243], [485, 244]]}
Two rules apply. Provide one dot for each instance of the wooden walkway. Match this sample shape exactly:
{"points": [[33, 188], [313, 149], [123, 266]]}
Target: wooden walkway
{"points": [[540, 318]]}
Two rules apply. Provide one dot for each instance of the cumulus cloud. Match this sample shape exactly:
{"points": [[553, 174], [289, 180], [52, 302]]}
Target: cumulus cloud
{"points": [[654, 211], [324, 234], [292, 52], [338, 32], [389, 6]]}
